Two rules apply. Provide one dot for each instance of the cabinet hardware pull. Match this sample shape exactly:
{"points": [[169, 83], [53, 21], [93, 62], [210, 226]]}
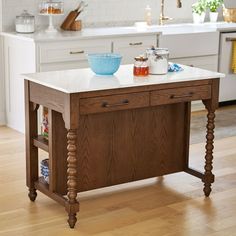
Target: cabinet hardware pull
{"points": [[135, 44], [107, 105], [79, 52], [230, 39], [189, 95]]}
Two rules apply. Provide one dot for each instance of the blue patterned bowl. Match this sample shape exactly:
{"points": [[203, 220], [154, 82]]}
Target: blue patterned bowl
{"points": [[104, 63]]}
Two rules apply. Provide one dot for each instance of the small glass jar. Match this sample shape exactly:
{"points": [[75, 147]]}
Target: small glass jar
{"points": [[141, 67], [158, 60], [25, 23]]}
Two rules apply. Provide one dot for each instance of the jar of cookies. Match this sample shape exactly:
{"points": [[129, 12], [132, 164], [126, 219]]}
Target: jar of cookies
{"points": [[51, 8]]}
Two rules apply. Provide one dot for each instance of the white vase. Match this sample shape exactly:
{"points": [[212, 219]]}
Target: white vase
{"points": [[198, 19], [213, 16]]}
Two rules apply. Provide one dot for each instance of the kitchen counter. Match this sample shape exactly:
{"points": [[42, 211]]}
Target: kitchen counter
{"points": [[105, 131], [84, 80], [87, 33]]}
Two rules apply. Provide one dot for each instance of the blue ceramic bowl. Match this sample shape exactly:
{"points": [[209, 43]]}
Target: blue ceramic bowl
{"points": [[104, 63]]}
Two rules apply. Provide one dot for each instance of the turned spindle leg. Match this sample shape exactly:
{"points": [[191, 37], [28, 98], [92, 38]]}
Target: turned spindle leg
{"points": [[208, 178], [72, 205]]}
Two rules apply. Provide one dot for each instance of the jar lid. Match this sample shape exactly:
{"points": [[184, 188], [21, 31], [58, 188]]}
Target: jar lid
{"points": [[141, 58], [25, 15], [159, 51]]}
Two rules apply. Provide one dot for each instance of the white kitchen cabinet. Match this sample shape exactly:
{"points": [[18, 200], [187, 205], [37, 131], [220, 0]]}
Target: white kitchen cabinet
{"points": [[204, 62], [69, 54], [19, 58], [2, 87], [200, 50], [71, 51], [23, 56], [132, 46]]}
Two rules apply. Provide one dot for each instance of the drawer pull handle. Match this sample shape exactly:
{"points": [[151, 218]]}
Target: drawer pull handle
{"points": [[189, 95], [78, 52], [135, 44], [107, 105]]}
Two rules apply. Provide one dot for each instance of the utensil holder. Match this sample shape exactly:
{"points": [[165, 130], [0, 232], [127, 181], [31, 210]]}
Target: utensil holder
{"points": [[69, 20], [76, 25]]}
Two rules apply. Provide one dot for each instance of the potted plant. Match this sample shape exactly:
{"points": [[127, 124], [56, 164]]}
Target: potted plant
{"points": [[199, 11], [213, 6]]}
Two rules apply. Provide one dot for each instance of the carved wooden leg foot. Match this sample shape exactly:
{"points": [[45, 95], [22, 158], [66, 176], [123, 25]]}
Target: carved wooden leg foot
{"points": [[208, 178], [207, 189], [72, 205], [72, 220], [32, 194]]}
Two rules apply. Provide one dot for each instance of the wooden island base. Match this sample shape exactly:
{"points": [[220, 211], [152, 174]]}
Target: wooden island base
{"points": [[104, 138]]}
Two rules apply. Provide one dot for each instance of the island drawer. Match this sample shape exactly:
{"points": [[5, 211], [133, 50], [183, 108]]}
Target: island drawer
{"points": [[176, 95], [114, 103]]}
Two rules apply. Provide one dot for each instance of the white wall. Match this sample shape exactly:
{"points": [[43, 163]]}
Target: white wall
{"points": [[103, 12]]}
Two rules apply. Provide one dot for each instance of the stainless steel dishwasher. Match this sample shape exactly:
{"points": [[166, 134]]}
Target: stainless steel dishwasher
{"points": [[227, 84]]}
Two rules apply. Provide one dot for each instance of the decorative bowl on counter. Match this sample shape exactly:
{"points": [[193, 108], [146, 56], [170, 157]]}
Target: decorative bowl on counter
{"points": [[104, 63]]}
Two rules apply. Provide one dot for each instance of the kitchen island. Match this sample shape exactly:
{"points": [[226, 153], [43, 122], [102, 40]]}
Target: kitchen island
{"points": [[105, 131]]}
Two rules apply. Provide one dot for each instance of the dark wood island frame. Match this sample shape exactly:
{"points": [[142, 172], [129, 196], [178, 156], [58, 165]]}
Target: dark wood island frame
{"points": [[103, 138]]}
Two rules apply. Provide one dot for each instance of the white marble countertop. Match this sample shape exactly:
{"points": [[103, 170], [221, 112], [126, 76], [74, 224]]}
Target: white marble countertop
{"points": [[87, 33], [84, 80]]}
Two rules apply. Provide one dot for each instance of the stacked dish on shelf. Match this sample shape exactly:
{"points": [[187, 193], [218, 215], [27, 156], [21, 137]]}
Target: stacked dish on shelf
{"points": [[44, 167]]}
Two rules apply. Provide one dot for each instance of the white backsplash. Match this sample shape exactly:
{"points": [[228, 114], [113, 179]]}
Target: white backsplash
{"points": [[102, 12]]}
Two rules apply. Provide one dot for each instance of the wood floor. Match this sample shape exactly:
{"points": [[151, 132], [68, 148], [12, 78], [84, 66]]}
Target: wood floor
{"points": [[169, 206]]}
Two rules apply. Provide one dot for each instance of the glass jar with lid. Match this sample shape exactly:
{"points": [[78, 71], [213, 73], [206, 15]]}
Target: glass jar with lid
{"points": [[141, 67], [158, 60], [25, 23], [51, 8]]}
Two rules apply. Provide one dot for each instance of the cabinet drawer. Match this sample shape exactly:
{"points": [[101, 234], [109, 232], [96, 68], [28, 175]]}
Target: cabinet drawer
{"points": [[114, 103], [71, 50], [132, 46], [186, 94]]}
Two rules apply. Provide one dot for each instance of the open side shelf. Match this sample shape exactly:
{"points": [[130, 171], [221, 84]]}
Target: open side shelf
{"points": [[43, 187], [41, 143]]}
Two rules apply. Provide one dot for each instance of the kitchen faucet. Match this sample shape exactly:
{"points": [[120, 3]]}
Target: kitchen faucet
{"points": [[162, 15]]}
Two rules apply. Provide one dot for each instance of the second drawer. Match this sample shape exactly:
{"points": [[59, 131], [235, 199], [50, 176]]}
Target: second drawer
{"points": [[186, 94], [113, 103]]}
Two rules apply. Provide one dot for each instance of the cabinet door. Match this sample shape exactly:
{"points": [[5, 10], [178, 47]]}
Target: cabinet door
{"points": [[19, 56], [191, 45], [132, 46], [206, 62]]}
